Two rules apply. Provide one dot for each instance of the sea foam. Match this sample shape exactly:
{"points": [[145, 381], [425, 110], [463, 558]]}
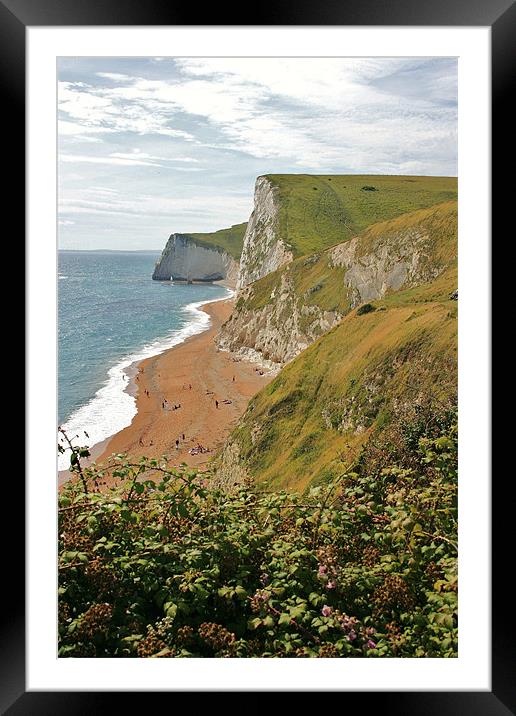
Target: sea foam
{"points": [[113, 408]]}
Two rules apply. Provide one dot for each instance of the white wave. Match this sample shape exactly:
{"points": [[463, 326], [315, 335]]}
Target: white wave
{"points": [[60, 277], [112, 408]]}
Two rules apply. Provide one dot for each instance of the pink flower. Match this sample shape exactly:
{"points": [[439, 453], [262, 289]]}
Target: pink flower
{"points": [[352, 635], [322, 570], [371, 644], [331, 584], [326, 611]]}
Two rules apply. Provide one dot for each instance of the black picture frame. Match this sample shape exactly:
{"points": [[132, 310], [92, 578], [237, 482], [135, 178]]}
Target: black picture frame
{"points": [[500, 16]]}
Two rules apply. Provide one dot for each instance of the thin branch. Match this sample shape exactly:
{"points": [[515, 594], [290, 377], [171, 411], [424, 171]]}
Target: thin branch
{"points": [[444, 539], [75, 452]]}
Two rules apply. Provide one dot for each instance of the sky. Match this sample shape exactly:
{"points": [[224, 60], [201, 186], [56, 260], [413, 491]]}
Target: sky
{"points": [[149, 146]]}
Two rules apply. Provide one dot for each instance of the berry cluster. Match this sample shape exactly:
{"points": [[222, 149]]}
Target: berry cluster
{"points": [[217, 638], [95, 620], [392, 595]]}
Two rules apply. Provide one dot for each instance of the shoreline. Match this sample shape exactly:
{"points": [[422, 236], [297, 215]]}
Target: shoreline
{"points": [[194, 375]]}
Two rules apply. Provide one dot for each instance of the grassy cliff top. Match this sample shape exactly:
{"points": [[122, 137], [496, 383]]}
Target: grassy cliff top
{"points": [[230, 240], [318, 211]]}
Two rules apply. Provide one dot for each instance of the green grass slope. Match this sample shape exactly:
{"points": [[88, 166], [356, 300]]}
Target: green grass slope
{"points": [[320, 211], [317, 282], [310, 423], [229, 240]]}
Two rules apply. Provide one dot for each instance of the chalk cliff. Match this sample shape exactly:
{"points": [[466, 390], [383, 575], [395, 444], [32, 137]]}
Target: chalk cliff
{"points": [[186, 259], [264, 250]]}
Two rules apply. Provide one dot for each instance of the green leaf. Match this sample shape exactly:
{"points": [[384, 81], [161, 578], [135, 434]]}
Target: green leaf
{"points": [[254, 623], [170, 609], [240, 592]]}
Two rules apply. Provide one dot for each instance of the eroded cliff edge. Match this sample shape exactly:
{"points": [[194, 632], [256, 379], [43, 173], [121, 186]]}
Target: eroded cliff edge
{"points": [[264, 249]]}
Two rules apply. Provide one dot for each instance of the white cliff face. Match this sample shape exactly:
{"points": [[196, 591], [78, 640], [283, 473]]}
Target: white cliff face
{"points": [[264, 250], [183, 259]]}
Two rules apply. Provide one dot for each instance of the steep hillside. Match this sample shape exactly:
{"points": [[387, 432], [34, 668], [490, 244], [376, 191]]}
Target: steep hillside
{"points": [[299, 214], [310, 423], [281, 314], [202, 257]]}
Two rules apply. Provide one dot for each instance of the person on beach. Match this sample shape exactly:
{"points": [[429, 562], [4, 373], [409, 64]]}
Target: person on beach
{"points": [[177, 444], [233, 379], [216, 403], [183, 436]]}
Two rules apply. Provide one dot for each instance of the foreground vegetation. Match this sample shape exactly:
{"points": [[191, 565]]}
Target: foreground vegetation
{"points": [[164, 565]]}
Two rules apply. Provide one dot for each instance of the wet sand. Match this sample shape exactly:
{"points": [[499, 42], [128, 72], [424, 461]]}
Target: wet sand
{"points": [[193, 375]]}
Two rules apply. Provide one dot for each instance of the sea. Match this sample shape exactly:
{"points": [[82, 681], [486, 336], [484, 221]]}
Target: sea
{"points": [[111, 314]]}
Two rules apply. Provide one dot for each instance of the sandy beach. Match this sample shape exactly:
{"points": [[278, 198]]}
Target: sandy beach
{"points": [[199, 378]]}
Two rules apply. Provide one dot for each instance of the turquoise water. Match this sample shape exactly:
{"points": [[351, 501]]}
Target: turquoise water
{"points": [[111, 314]]}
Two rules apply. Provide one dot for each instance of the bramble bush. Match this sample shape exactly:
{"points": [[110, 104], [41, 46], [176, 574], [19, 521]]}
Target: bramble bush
{"points": [[164, 565]]}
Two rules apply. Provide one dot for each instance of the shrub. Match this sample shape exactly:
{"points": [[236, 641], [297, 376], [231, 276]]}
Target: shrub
{"points": [[365, 308], [166, 566]]}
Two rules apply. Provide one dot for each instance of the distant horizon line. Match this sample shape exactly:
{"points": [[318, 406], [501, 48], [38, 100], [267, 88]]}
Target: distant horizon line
{"points": [[113, 251]]}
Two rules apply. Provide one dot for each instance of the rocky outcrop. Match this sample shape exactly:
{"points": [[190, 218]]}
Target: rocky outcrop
{"points": [[185, 259], [398, 260], [264, 250], [279, 331]]}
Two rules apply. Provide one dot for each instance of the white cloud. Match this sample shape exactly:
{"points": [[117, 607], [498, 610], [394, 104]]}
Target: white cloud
{"points": [[115, 76], [96, 109], [214, 206], [124, 161], [138, 154], [311, 111], [133, 158], [222, 121], [320, 112]]}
